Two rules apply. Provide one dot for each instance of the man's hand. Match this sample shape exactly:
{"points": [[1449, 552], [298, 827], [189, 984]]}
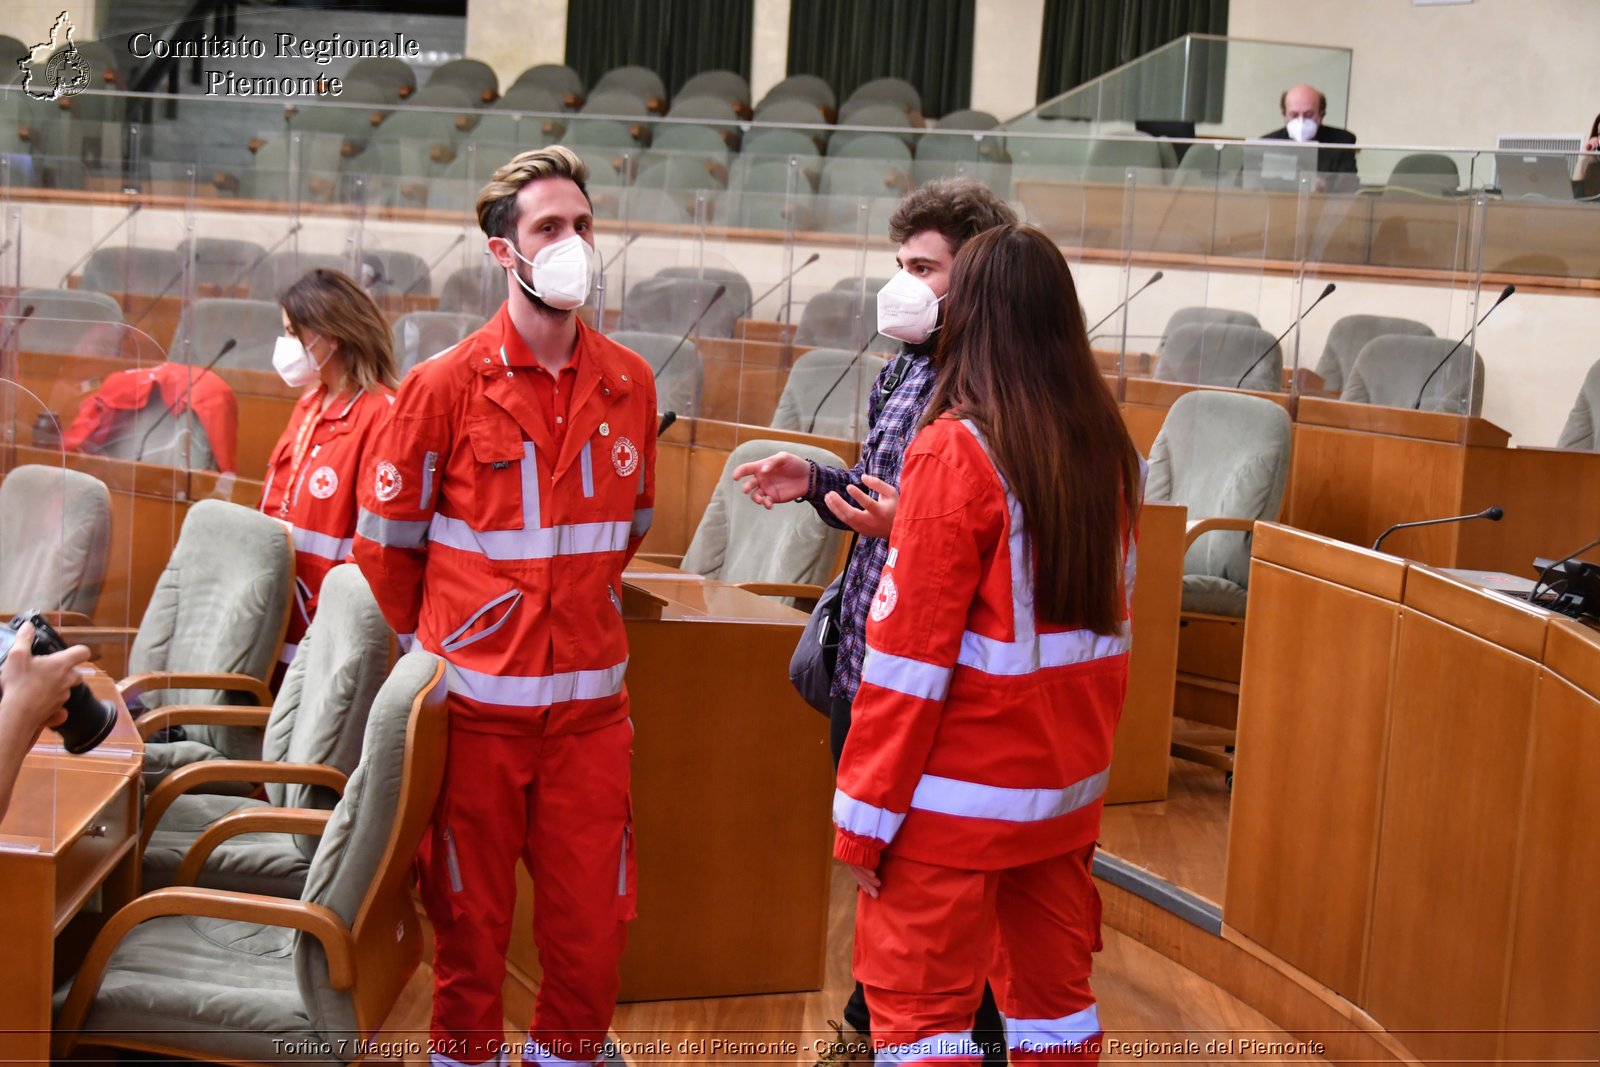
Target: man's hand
{"points": [[873, 518], [866, 878], [35, 688], [775, 480]]}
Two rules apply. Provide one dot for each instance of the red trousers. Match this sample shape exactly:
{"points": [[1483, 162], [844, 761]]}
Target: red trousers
{"points": [[927, 942], [561, 805]]}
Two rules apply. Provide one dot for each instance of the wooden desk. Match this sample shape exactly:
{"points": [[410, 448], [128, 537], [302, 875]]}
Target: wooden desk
{"points": [[71, 831], [1359, 468], [732, 785], [1415, 819]]}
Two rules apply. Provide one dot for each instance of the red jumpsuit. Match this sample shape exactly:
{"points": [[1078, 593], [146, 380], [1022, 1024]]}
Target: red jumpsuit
{"points": [[311, 486], [972, 779], [499, 510]]}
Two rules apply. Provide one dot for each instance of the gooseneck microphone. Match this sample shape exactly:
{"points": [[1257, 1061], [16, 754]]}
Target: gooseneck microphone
{"points": [[1544, 575], [693, 326], [809, 260], [1493, 514], [227, 346], [666, 420], [133, 209], [151, 306], [425, 275], [1156, 277], [1325, 293], [811, 427], [1505, 294], [248, 267]]}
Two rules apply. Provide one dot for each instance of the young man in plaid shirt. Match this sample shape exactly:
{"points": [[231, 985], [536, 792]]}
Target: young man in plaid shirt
{"points": [[930, 226]]}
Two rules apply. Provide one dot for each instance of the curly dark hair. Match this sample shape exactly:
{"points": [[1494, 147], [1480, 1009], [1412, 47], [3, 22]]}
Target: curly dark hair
{"points": [[959, 208]]}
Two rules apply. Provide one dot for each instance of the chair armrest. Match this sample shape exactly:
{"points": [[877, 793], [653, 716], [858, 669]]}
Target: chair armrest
{"points": [[58, 619], [1205, 526], [320, 922], [96, 635], [664, 558], [159, 719], [136, 684], [801, 590], [309, 821], [184, 779]]}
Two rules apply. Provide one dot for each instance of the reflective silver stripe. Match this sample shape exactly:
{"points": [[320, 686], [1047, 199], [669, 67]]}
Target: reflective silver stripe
{"points": [[642, 518], [973, 800], [955, 1045], [538, 543], [586, 465], [430, 461], [540, 1056], [286, 654], [319, 544], [993, 656], [392, 533], [912, 677], [530, 483], [863, 819], [1040, 1035], [622, 866], [451, 863], [455, 641], [535, 691]]}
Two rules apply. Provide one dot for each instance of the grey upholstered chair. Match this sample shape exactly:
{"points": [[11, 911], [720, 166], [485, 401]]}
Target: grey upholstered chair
{"points": [[1225, 457], [679, 388], [420, 335], [1350, 334], [154, 435], [1230, 355], [782, 551], [839, 318], [68, 321], [827, 393], [313, 739], [1579, 432], [214, 625], [55, 532], [671, 305], [1394, 371], [211, 975], [1190, 316], [252, 325]]}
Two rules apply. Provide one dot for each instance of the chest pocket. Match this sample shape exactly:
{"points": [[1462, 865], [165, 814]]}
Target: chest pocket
{"points": [[502, 491]]}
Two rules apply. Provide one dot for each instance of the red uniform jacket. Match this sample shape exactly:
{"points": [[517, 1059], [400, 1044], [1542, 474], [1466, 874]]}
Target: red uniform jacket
{"points": [[503, 555], [183, 388], [320, 506], [979, 739]]}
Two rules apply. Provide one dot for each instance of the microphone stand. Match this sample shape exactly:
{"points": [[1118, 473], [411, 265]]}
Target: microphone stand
{"points": [[1492, 514], [812, 427]]}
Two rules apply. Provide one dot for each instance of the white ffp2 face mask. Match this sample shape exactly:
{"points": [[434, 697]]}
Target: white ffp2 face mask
{"points": [[1301, 129], [561, 272], [908, 310], [293, 363]]}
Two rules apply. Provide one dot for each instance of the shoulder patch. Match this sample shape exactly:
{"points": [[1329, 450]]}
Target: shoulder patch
{"points": [[886, 598]]}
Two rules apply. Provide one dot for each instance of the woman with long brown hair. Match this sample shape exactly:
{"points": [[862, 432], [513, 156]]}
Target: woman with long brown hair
{"points": [[970, 788], [336, 342]]}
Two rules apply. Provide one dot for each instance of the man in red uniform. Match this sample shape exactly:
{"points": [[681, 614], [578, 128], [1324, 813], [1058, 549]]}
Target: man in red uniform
{"points": [[508, 488]]}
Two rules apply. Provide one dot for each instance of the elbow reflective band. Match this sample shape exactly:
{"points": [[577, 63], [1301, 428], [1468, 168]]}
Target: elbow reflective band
{"points": [[863, 819], [392, 533]]}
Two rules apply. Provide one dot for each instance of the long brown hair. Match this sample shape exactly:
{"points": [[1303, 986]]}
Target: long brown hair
{"points": [[332, 304], [1014, 358]]}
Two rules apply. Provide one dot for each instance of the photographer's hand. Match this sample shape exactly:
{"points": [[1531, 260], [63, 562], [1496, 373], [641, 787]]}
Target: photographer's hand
{"points": [[33, 695]]}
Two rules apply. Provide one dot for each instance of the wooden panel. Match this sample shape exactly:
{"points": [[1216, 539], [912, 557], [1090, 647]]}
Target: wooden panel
{"points": [[1358, 568], [1140, 760], [1554, 980], [1313, 718], [1443, 896], [1511, 625], [1546, 495], [1572, 653], [1352, 485], [1401, 422]]}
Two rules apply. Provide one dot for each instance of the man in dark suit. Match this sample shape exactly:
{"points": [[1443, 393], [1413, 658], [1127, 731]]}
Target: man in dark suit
{"points": [[1303, 108]]}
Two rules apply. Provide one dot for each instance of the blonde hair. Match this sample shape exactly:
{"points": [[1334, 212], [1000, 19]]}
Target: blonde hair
{"points": [[332, 304], [497, 201]]}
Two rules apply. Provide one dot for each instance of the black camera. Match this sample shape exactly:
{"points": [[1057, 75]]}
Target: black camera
{"points": [[89, 720]]}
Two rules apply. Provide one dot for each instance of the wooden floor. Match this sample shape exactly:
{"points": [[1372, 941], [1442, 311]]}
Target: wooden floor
{"points": [[1183, 839], [1146, 1000]]}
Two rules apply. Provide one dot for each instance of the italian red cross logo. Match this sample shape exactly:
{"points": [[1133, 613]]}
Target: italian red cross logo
{"points": [[625, 456], [885, 599], [387, 485], [324, 483]]}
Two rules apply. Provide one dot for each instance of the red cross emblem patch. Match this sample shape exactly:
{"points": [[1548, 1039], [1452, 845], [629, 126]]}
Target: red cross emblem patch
{"points": [[387, 484], [885, 599], [625, 456], [324, 483]]}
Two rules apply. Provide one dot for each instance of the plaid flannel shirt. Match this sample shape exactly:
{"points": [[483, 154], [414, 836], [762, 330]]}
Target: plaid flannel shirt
{"points": [[899, 397]]}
